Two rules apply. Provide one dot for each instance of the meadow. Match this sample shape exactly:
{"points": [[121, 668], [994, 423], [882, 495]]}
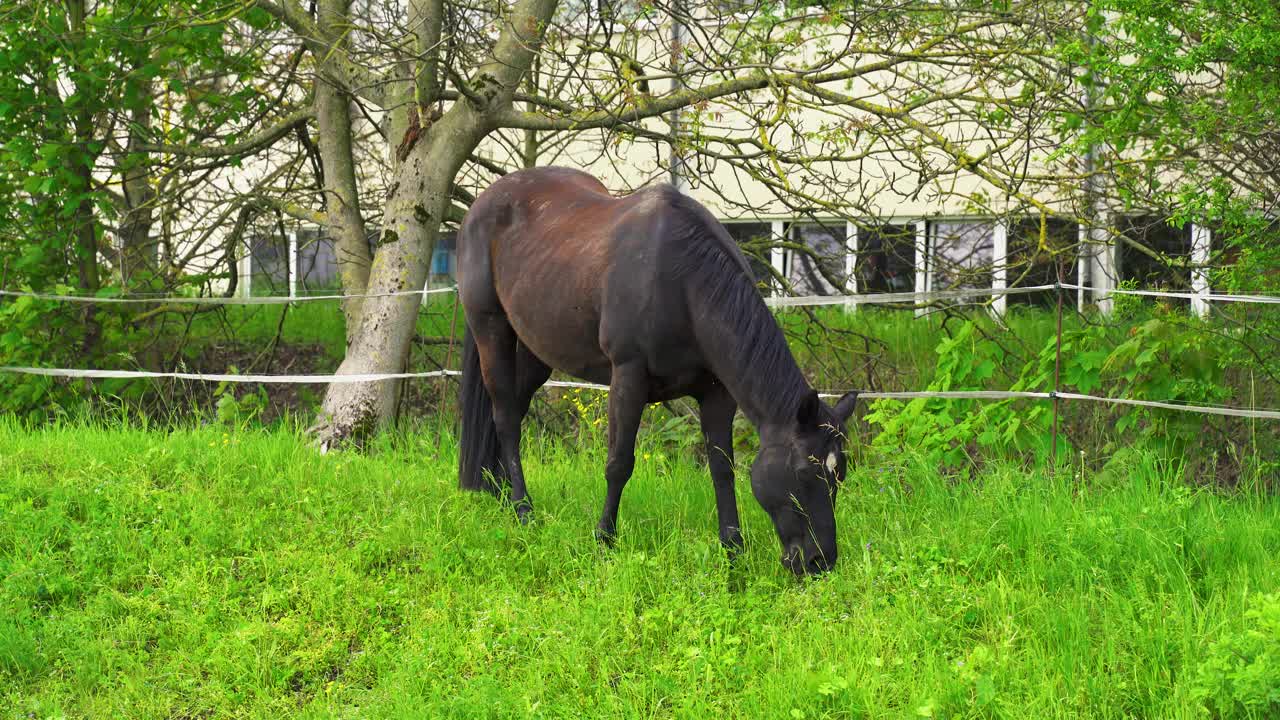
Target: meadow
{"points": [[235, 572]]}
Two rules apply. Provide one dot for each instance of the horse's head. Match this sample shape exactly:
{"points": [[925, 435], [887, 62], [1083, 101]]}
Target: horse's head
{"points": [[795, 478]]}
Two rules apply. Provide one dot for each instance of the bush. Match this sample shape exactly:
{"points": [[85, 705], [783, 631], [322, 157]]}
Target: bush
{"points": [[1240, 678], [1152, 355]]}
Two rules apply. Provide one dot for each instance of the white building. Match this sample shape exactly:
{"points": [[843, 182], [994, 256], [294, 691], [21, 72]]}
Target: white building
{"points": [[896, 230]]}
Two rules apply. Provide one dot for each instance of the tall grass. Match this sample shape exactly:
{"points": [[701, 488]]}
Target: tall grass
{"points": [[305, 323], [211, 573]]}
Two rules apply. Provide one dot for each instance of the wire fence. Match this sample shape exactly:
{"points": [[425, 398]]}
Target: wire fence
{"points": [[920, 299], [186, 300]]}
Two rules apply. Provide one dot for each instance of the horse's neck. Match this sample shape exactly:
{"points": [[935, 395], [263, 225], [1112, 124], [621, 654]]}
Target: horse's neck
{"points": [[752, 360]]}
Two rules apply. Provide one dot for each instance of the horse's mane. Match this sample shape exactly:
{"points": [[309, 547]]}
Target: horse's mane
{"points": [[710, 263]]}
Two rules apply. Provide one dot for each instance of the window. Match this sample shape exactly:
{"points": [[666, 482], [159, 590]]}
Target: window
{"points": [[886, 261], [1032, 263], [317, 262], [963, 254], [269, 264], [1153, 232], [821, 270], [444, 258], [754, 238]]}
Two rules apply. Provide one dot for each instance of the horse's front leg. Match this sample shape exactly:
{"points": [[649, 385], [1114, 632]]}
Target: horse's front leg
{"points": [[628, 390], [717, 408]]}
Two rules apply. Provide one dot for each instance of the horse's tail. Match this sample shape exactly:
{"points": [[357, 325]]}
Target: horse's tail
{"points": [[478, 464]]}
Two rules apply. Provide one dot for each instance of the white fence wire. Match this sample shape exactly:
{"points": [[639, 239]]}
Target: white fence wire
{"points": [[1208, 297], [183, 300], [870, 395], [918, 298], [806, 301]]}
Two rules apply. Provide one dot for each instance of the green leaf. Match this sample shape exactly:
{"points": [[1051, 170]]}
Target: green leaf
{"points": [[257, 18], [985, 690], [984, 370]]}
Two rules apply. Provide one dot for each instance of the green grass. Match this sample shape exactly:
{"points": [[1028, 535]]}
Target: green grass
{"points": [[899, 345], [194, 573], [305, 323]]}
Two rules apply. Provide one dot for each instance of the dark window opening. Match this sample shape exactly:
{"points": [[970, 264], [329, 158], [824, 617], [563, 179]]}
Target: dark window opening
{"points": [[962, 254], [886, 261], [1032, 262], [820, 270], [1169, 272], [317, 262], [268, 264], [444, 259], [754, 239]]}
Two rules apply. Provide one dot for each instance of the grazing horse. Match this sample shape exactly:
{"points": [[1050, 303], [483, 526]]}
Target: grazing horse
{"points": [[648, 294]]}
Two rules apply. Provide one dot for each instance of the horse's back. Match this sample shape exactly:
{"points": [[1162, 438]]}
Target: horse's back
{"points": [[557, 224], [528, 191], [584, 277], [534, 248]]}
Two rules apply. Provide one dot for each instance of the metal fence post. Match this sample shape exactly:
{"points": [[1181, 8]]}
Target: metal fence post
{"points": [[1200, 237], [851, 263], [922, 265], [778, 257], [246, 270]]}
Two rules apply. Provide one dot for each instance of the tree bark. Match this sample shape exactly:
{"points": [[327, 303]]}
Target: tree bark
{"points": [[429, 160], [419, 200], [84, 219], [341, 193], [139, 253]]}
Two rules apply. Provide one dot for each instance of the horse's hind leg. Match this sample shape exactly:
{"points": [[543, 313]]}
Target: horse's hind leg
{"points": [[512, 374], [531, 373]]}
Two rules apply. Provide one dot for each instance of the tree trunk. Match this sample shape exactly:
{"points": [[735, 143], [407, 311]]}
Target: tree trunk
{"points": [[341, 194], [85, 221], [418, 202], [429, 160], [139, 253]]}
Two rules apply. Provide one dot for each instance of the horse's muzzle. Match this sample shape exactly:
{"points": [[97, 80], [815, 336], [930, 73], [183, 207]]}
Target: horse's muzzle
{"points": [[812, 562]]}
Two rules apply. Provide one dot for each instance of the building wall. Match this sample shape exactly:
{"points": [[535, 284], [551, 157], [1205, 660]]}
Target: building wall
{"points": [[878, 225]]}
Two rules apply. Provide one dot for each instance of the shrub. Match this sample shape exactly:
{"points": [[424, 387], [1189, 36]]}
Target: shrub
{"points": [[1240, 678]]}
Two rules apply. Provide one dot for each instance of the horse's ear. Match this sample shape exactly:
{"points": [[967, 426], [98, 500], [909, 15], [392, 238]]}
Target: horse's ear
{"points": [[807, 414], [844, 407]]}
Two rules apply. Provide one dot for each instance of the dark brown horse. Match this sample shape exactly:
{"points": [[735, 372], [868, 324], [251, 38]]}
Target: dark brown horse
{"points": [[649, 294]]}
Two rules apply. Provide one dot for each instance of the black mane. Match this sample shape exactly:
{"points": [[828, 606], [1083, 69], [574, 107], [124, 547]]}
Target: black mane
{"points": [[759, 368]]}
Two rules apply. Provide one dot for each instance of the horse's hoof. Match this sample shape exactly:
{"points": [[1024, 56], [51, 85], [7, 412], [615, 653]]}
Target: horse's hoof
{"points": [[524, 513], [606, 537], [733, 552], [733, 545]]}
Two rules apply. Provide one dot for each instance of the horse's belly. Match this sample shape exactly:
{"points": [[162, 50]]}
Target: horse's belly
{"points": [[566, 339]]}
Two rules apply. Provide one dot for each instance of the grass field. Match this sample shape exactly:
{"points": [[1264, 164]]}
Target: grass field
{"points": [[903, 341], [203, 573]]}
